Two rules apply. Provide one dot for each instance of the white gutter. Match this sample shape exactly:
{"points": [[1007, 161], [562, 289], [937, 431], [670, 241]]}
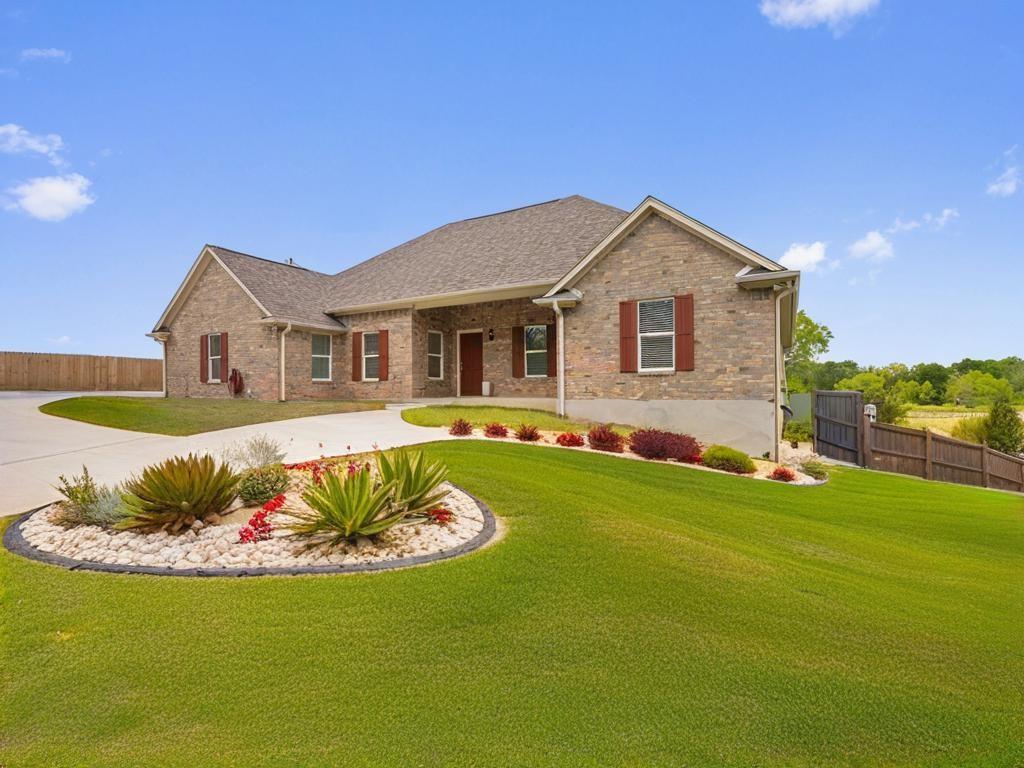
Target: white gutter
{"points": [[780, 365], [284, 332], [160, 337], [560, 333]]}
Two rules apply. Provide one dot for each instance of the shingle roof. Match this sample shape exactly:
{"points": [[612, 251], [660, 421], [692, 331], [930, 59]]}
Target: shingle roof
{"points": [[535, 244], [532, 245]]}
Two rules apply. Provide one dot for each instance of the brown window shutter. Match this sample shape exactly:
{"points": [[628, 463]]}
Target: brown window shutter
{"points": [[518, 351], [684, 332], [223, 357], [382, 336], [357, 356], [627, 337], [552, 350], [204, 363]]}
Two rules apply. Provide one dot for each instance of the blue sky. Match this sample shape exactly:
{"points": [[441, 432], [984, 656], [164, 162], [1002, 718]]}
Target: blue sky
{"points": [[877, 143]]}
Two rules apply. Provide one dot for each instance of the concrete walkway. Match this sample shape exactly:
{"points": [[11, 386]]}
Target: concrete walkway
{"points": [[35, 448]]}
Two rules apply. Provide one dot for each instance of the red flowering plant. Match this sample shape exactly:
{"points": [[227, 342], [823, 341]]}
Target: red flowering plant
{"points": [[783, 475], [440, 515], [570, 439], [316, 467], [495, 430], [259, 527]]}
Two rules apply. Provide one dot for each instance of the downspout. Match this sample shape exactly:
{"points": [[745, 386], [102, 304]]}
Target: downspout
{"points": [[163, 367], [560, 334], [284, 332], [780, 364]]}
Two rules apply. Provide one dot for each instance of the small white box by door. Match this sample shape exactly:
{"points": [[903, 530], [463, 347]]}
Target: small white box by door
{"points": [[485, 389]]}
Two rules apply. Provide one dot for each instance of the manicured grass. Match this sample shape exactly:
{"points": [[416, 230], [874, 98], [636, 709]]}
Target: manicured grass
{"points": [[635, 614], [482, 415], [189, 416]]}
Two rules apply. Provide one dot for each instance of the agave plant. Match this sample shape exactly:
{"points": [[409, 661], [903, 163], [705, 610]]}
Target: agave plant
{"points": [[174, 494], [344, 507], [417, 480]]}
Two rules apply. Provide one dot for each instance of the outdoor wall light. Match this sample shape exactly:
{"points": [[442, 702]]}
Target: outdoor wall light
{"points": [[490, 334]]}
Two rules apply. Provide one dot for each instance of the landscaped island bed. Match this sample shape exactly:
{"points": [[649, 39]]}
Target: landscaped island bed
{"points": [[634, 613], [190, 416]]}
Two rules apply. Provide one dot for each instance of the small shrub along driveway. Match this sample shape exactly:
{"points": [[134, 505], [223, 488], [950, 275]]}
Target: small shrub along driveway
{"points": [[190, 416], [632, 615], [482, 415]]}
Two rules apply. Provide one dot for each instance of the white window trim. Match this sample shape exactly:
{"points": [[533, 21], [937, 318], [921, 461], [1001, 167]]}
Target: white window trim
{"points": [[210, 377], [528, 352], [366, 356], [329, 356], [639, 336], [431, 354]]}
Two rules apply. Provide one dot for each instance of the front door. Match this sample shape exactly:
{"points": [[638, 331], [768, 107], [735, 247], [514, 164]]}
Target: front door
{"points": [[471, 364]]}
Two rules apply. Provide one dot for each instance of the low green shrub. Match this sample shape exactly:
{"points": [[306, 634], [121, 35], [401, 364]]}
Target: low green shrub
{"points": [[86, 503], [816, 469], [728, 459], [798, 432], [175, 493], [1004, 427], [260, 485], [973, 429]]}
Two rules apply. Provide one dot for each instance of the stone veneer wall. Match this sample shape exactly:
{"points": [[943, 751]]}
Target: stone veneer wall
{"points": [[218, 305], [501, 316], [734, 329]]}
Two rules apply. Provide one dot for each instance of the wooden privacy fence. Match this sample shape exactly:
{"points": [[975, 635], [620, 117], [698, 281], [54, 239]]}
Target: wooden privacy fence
{"points": [[42, 371], [843, 432], [937, 457]]}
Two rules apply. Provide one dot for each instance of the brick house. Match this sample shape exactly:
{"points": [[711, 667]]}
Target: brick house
{"points": [[647, 317]]}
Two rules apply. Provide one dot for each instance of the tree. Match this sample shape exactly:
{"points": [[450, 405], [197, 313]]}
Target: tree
{"points": [[881, 388], [977, 388], [827, 373], [1004, 428], [935, 374], [810, 341]]}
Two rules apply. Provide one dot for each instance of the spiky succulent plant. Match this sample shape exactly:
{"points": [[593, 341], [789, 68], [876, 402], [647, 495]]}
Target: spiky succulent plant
{"points": [[417, 480], [343, 507]]}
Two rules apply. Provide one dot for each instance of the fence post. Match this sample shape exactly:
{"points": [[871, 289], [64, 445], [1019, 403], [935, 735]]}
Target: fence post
{"points": [[984, 464], [927, 454], [865, 428]]}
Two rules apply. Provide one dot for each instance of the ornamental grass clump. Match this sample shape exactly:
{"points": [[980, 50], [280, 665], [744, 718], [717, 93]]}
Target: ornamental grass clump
{"points": [[263, 483], [728, 459], [258, 451], [527, 433], [815, 469], [86, 503], [570, 439], [783, 475], [604, 438], [174, 494], [495, 430], [660, 444], [460, 428]]}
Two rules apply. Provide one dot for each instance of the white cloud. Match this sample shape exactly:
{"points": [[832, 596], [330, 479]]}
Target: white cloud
{"points": [[1005, 184], [802, 14], [874, 246], [15, 140], [45, 54], [942, 219], [804, 256], [8, 72], [60, 341], [52, 198], [935, 221]]}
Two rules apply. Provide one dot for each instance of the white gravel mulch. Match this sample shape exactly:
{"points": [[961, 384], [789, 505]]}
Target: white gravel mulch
{"points": [[217, 546]]}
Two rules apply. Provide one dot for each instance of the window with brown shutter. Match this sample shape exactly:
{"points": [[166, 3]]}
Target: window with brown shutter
{"points": [[684, 333], [552, 350], [518, 355], [357, 356], [627, 336], [535, 350], [382, 336], [656, 330], [204, 362], [215, 358], [224, 357]]}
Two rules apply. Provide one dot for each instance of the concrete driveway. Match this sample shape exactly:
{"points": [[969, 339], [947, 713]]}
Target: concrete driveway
{"points": [[35, 448]]}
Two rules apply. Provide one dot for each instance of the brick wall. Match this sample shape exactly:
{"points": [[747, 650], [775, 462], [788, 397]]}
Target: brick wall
{"points": [[734, 329], [298, 350], [399, 385], [218, 305]]}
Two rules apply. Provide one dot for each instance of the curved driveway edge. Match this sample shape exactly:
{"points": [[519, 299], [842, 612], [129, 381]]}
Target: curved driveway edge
{"points": [[16, 543]]}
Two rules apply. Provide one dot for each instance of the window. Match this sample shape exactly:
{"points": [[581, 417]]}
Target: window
{"points": [[321, 357], [536, 347], [371, 356], [435, 355], [213, 358], [657, 326]]}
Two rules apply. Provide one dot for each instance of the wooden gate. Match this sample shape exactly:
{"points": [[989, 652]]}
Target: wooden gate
{"points": [[838, 421]]}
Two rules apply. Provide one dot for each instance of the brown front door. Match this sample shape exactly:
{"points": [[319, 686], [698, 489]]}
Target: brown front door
{"points": [[471, 364]]}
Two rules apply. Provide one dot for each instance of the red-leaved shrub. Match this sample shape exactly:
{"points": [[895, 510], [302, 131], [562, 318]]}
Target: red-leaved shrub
{"points": [[440, 515], [460, 428], [783, 475], [496, 430], [527, 433], [570, 439], [604, 438], [259, 528], [659, 444]]}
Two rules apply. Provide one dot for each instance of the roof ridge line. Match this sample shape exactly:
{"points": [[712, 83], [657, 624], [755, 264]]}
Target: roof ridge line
{"points": [[269, 261]]}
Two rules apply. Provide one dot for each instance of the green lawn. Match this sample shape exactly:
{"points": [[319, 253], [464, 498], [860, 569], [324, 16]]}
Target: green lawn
{"points": [[482, 415], [189, 416], [636, 614]]}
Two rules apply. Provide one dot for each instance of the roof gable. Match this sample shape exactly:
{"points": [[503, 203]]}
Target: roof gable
{"points": [[652, 206]]}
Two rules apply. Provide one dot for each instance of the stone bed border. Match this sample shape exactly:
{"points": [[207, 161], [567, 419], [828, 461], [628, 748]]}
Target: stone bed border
{"points": [[16, 543]]}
